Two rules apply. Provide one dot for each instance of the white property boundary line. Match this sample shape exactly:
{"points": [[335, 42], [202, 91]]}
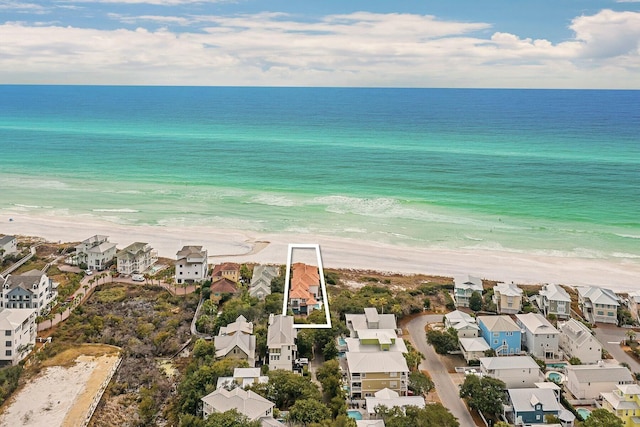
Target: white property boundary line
{"points": [[325, 297]]}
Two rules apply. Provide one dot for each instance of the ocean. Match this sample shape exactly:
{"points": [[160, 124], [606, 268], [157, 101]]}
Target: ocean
{"points": [[536, 171]]}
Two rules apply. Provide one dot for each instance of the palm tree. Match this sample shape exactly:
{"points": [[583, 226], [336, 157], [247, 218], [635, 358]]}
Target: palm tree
{"points": [[632, 336]]}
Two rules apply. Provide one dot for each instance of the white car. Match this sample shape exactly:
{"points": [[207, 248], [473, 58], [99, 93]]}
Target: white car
{"points": [[137, 277], [89, 272]]}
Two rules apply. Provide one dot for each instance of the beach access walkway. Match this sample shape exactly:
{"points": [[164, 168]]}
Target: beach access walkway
{"points": [[90, 282]]}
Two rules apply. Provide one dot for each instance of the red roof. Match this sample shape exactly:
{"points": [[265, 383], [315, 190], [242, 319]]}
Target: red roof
{"points": [[224, 286]]}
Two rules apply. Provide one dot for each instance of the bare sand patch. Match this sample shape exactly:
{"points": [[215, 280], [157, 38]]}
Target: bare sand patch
{"points": [[60, 395]]}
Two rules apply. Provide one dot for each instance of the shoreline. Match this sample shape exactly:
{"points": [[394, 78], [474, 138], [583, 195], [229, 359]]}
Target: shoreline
{"points": [[338, 252]]}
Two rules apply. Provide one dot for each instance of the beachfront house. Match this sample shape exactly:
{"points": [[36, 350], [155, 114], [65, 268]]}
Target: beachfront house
{"points": [[539, 337], [463, 288], [589, 381], [226, 270], [19, 330], [508, 298], [624, 402], [553, 299], [598, 304], [281, 342], [531, 406], [501, 334], [515, 371], [370, 372], [95, 252], [464, 324], [304, 292], [136, 258], [191, 265], [261, 280], [248, 403], [576, 340], [30, 290], [371, 319], [8, 246]]}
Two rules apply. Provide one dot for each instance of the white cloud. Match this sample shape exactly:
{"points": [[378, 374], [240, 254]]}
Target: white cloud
{"points": [[153, 2], [22, 7], [359, 49]]}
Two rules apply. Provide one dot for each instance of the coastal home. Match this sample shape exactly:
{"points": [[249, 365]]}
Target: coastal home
{"points": [[501, 334], [634, 305], [473, 348], [223, 286], [372, 340], [226, 270], [281, 342], [369, 320], [588, 381], [191, 265], [529, 406], [624, 402], [136, 258], [248, 403], [95, 252], [242, 377], [598, 304], [304, 292], [539, 337], [19, 329], [553, 299], [576, 340], [235, 340], [261, 280], [369, 372], [515, 371], [463, 288], [464, 324], [8, 246], [507, 298], [30, 290], [390, 399]]}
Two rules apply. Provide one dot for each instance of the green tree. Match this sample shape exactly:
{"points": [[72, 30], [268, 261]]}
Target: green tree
{"points": [[330, 351], [575, 361], [602, 418], [413, 357], [443, 342], [475, 301], [307, 411], [434, 415], [484, 394], [419, 383], [231, 418], [284, 388]]}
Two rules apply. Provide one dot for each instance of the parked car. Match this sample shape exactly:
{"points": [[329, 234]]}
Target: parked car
{"points": [[137, 277], [89, 272]]}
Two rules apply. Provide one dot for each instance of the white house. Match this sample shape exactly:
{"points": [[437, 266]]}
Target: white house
{"points": [[247, 403], [588, 381], [553, 299], [136, 258], [8, 246], [32, 290], [598, 304], [19, 329], [371, 319], [463, 323], [281, 342], [391, 399], [242, 377], [539, 336], [514, 371], [463, 288], [96, 252], [235, 340], [473, 348], [576, 340], [191, 264], [261, 280]]}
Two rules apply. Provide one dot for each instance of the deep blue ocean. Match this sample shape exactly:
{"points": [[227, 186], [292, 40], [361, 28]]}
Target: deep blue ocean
{"points": [[541, 171]]}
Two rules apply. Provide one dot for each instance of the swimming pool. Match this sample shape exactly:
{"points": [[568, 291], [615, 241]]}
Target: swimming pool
{"points": [[560, 366], [341, 341], [356, 415], [556, 377], [583, 412]]}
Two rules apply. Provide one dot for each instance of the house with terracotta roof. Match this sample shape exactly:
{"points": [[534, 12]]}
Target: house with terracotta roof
{"points": [[191, 264], [304, 292], [223, 286], [228, 270]]}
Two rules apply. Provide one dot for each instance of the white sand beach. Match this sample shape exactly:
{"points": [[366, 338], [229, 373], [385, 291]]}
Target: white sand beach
{"points": [[235, 245]]}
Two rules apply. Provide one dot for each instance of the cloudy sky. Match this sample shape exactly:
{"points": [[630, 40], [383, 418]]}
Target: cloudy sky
{"points": [[398, 43]]}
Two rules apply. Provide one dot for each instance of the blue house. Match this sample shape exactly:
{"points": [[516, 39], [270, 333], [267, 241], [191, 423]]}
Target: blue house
{"points": [[532, 405], [501, 334]]}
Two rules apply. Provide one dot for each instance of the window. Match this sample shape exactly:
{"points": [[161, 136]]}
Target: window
{"points": [[7, 353], [8, 343]]}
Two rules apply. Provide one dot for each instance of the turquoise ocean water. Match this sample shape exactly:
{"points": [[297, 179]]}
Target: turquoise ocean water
{"points": [[540, 171]]}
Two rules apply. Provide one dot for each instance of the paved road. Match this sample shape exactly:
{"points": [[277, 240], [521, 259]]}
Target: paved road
{"points": [[447, 390], [610, 337]]}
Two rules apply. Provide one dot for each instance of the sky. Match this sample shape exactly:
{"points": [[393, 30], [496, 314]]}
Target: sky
{"points": [[590, 44]]}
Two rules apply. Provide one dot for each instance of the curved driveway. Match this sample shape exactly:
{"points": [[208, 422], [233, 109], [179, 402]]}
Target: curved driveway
{"points": [[447, 390]]}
